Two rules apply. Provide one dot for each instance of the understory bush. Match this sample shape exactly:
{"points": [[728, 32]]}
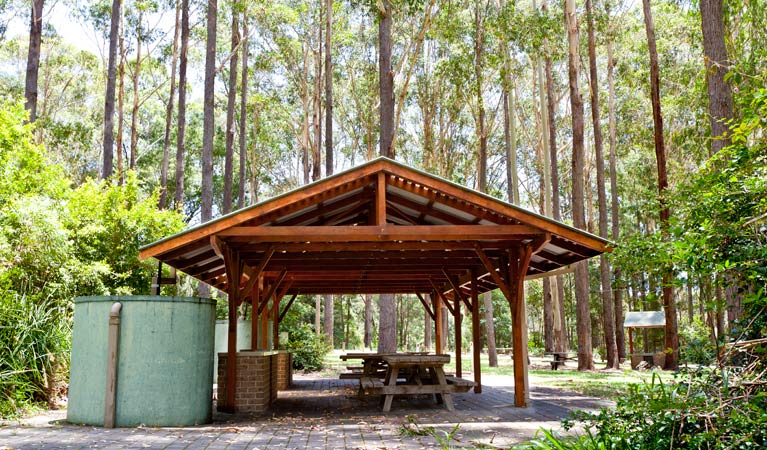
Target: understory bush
{"points": [[307, 347], [715, 409], [35, 351]]}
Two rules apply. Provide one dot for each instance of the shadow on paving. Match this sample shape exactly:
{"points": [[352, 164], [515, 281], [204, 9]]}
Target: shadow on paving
{"points": [[321, 413]]}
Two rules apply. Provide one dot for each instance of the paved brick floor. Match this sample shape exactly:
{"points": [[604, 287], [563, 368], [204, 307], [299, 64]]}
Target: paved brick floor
{"points": [[326, 414]]}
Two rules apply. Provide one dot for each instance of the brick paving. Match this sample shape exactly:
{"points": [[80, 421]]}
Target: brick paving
{"points": [[326, 414]]}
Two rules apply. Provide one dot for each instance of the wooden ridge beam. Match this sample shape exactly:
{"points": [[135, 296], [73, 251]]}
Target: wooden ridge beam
{"points": [[379, 233]]}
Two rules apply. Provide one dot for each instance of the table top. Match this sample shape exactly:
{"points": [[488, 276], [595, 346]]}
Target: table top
{"points": [[405, 358]]}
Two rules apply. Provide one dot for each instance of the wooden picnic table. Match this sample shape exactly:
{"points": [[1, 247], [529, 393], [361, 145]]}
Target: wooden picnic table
{"points": [[422, 374], [560, 358]]}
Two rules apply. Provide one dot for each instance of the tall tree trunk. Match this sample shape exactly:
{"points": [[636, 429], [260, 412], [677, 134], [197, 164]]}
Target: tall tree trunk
{"points": [[479, 44], [254, 156], [328, 89], [33, 58], [557, 285], [583, 310], [134, 109], [386, 78], [387, 321], [620, 336], [230, 104], [669, 304], [317, 314], [717, 65], [367, 337], [328, 319], [608, 317], [510, 135], [243, 136], [169, 113], [181, 119], [109, 97], [208, 128], [317, 101], [121, 101]]}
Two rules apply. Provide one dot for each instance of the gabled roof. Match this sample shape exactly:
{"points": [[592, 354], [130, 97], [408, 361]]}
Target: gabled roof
{"points": [[381, 227], [644, 319]]}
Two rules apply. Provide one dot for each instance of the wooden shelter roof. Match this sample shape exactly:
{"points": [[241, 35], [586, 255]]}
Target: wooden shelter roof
{"points": [[645, 319], [381, 227]]}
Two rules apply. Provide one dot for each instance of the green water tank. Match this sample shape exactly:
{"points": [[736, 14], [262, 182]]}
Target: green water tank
{"points": [[164, 361]]}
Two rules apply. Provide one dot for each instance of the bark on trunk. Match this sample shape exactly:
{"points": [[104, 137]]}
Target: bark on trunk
{"points": [[387, 324], [427, 324], [134, 109], [33, 58], [583, 310], [120, 101], [243, 136], [328, 89], [386, 79], [608, 316], [717, 65], [492, 353], [181, 119], [669, 304], [206, 212], [109, 97], [328, 319], [169, 113], [367, 337], [230, 104], [208, 130], [620, 336], [317, 117]]}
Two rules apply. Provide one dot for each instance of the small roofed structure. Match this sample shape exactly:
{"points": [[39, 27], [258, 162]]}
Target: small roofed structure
{"points": [[379, 228], [645, 320]]}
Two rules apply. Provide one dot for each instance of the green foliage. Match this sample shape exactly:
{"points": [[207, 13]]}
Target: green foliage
{"points": [[308, 349], [57, 243], [34, 344], [695, 344], [712, 409]]}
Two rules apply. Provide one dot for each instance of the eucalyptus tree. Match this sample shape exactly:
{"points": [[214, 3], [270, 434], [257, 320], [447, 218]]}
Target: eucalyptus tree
{"points": [[109, 97], [181, 115], [608, 321], [33, 58], [583, 309], [230, 105], [169, 111], [669, 303]]}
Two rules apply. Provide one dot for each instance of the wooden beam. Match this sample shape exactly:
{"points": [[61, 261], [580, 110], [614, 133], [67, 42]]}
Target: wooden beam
{"points": [[379, 233], [457, 328], [272, 290], [255, 302], [475, 336], [442, 296], [519, 258], [425, 305], [456, 289], [553, 273], [287, 307], [256, 272], [491, 269], [380, 205], [233, 271], [247, 249]]}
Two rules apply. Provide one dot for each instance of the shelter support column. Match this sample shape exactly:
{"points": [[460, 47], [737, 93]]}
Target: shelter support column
{"points": [[519, 259], [233, 266], [457, 321], [255, 302], [439, 340], [475, 335]]}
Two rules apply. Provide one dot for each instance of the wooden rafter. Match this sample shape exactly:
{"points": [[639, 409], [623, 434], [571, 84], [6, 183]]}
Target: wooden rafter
{"points": [[425, 305]]}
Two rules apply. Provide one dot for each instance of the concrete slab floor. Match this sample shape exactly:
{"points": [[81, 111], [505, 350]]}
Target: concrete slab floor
{"points": [[321, 413]]}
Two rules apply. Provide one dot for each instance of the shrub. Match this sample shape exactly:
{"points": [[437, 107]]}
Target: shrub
{"points": [[308, 349]]}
